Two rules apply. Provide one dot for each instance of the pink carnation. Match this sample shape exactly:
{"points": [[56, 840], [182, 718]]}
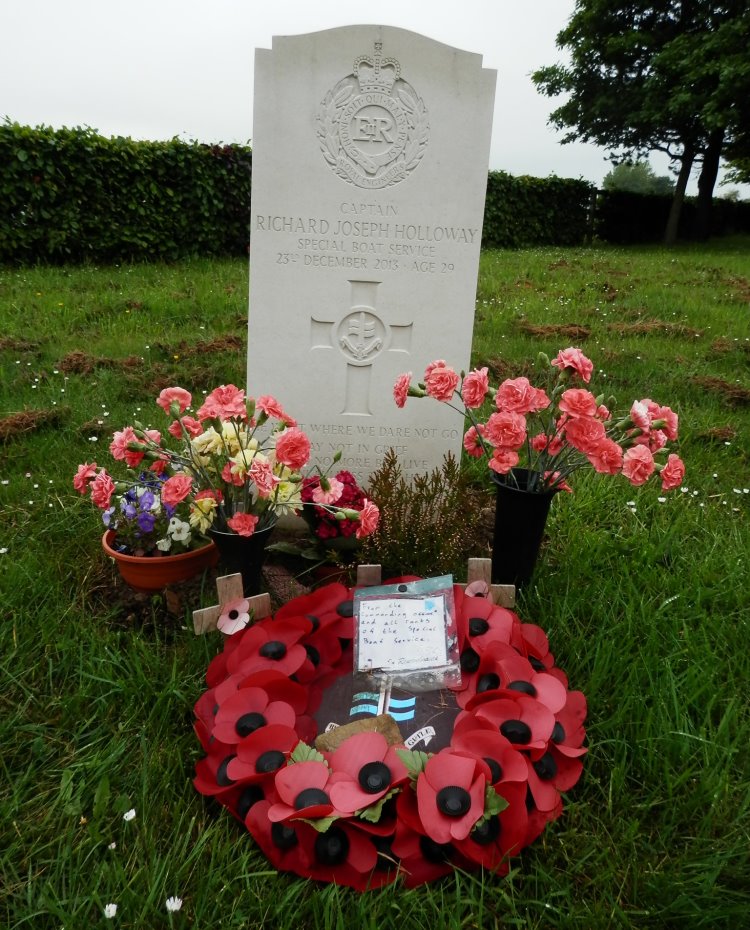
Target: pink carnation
{"points": [[544, 443], [272, 408], [585, 433], [225, 402], [176, 489], [606, 457], [262, 474], [576, 360], [638, 465], [503, 460], [401, 389], [334, 492], [518, 395], [640, 416], [577, 402], [475, 387], [243, 523], [473, 441], [506, 429], [439, 363], [174, 395], [672, 473], [369, 517], [102, 489], [190, 426], [671, 421], [119, 445], [440, 382], [82, 477], [293, 448], [233, 474]]}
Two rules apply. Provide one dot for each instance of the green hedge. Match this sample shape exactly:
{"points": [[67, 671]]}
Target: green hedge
{"points": [[625, 218], [525, 211], [71, 195]]}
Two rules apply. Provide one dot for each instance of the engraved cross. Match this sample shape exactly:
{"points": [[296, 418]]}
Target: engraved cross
{"points": [[360, 336]]}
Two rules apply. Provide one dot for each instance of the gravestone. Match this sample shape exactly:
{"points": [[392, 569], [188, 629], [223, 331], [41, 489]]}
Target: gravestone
{"points": [[370, 157]]}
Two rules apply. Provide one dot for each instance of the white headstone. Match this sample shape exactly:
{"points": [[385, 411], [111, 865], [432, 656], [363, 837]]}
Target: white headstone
{"points": [[370, 156]]}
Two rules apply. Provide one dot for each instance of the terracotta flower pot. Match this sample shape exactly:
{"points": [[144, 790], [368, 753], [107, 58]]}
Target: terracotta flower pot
{"points": [[150, 573]]}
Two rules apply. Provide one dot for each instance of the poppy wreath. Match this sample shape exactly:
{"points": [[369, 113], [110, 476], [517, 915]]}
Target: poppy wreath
{"points": [[369, 812]]}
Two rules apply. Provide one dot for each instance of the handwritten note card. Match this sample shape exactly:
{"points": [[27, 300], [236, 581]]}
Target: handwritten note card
{"points": [[399, 634]]}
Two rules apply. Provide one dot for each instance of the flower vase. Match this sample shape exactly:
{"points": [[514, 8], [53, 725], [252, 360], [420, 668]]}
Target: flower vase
{"points": [[151, 573], [520, 518], [243, 554]]}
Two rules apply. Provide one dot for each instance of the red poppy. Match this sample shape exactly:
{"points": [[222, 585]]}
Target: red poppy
{"points": [[343, 855], [304, 792], [550, 774], [522, 720], [246, 711], [421, 859], [568, 733], [279, 841], [482, 622], [261, 754], [493, 841], [450, 795], [270, 645], [536, 647], [371, 768], [477, 737], [211, 772], [501, 668], [328, 607]]}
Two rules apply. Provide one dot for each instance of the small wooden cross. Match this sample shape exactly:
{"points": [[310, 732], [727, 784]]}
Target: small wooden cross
{"points": [[479, 570], [229, 588]]}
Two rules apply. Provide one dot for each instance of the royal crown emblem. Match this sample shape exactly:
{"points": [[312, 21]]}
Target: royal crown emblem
{"points": [[372, 125]]}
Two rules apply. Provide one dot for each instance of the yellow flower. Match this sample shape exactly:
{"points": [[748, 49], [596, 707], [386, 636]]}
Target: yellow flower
{"points": [[287, 498], [202, 513]]}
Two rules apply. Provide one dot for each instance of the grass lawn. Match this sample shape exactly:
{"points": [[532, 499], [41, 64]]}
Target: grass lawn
{"points": [[646, 603]]}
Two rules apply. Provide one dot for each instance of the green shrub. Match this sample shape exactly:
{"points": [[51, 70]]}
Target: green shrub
{"points": [[429, 526]]}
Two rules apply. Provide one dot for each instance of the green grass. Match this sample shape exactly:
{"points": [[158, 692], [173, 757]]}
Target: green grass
{"points": [[646, 607]]}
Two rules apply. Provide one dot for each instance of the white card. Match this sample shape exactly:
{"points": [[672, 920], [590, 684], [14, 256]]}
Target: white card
{"points": [[401, 634]]}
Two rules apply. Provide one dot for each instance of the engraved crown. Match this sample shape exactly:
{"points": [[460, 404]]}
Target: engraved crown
{"points": [[375, 72]]}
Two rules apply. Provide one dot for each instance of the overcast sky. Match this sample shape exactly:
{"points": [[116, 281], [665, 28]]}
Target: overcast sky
{"points": [[155, 69]]}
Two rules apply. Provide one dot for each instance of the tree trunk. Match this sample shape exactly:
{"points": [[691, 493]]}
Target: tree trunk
{"points": [[673, 223], [706, 184]]}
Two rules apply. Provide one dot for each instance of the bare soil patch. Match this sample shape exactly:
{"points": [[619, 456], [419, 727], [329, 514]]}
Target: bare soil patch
{"points": [[734, 394], [29, 421], [573, 331]]}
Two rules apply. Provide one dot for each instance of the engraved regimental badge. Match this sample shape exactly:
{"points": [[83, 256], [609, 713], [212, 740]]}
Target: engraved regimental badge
{"points": [[372, 126]]}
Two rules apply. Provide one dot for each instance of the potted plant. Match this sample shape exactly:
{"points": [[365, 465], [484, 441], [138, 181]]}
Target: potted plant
{"points": [[534, 438], [148, 533], [234, 468]]}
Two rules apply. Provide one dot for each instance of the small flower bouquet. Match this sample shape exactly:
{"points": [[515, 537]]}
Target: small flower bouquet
{"points": [[235, 467], [554, 430], [319, 493]]}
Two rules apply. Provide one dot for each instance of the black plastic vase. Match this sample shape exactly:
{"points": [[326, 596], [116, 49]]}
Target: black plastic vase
{"points": [[243, 554], [520, 518]]}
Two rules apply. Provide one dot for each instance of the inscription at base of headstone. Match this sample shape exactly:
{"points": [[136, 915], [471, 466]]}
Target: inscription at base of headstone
{"points": [[370, 156]]}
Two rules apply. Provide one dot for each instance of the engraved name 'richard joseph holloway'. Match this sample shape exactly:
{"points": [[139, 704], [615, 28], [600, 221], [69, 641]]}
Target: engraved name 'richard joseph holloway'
{"points": [[372, 125]]}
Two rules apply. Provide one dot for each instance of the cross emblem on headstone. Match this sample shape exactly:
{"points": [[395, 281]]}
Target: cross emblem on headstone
{"points": [[360, 336]]}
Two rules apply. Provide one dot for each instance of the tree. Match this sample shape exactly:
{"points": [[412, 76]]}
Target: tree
{"points": [[670, 76], [637, 178]]}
